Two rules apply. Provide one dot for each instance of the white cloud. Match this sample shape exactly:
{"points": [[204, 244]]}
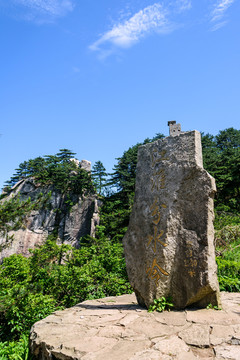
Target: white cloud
{"points": [[151, 18], [183, 5], [218, 25], [220, 9], [52, 8]]}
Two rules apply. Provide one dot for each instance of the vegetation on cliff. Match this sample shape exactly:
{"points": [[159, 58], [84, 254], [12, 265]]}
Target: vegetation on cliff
{"points": [[14, 211], [56, 183], [58, 170], [55, 276]]}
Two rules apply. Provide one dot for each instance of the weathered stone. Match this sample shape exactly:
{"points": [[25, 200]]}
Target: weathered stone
{"points": [[123, 334], [150, 327], [76, 162], [175, 318], [169, 244], [232, 303], [208, 317], [174, 129], [220, 334], [203, 354], [86, 165], [197, 335], [148, 355], [166, 349], [174, 347], [121, 351], [80, 221], [227, 352], [129, 318]]}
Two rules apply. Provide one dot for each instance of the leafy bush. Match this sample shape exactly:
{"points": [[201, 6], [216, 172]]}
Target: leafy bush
{"points": [[58, 170], [223, 219], [228, 274], [15, 350], [161, 304], [228, 251], [71, 275], [52, 278], [227, 237]]}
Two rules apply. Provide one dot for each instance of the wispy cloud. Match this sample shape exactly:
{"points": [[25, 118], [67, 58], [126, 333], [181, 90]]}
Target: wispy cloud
{"points": [[151, 18], [219, 12], [183, 5], [43, 9], [154, 18]]}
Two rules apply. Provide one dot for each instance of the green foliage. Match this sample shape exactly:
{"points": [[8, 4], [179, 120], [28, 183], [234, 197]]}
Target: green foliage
{"points": [[223, 219], [228, 252], [20, 302], [57, 170], [221, 155], [114, 215], [13, 213], [15, 350], [97, 269], [228, 274], [227, 237], [211, 307], [52, 278], [99, 176], [21, 308], [161, 304]]}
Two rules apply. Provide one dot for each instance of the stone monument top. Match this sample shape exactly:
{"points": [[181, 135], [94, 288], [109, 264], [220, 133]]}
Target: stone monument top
{"points": [[174, 128]]}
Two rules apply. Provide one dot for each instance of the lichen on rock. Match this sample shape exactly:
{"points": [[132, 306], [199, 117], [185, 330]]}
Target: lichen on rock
{"points": [[169, 244]]}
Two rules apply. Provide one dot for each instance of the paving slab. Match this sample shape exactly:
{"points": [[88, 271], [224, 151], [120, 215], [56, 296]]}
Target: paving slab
{"points": [[116, 328]]}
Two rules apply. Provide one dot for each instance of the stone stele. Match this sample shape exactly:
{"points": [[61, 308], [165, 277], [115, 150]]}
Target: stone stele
{"points": [[169, 244]]}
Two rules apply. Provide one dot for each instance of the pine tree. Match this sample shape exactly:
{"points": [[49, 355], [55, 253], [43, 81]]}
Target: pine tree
{"points": [[99, 175], [65, 155]]}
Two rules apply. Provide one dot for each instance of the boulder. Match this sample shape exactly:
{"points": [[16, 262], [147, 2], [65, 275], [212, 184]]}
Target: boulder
{"points": [[169, 244]]}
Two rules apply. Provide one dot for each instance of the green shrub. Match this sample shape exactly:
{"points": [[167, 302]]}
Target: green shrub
{"points": [[15, 350], [223, 219], [54, 277], [227, 238], [20, 309], [228, 274], [161, 304]]}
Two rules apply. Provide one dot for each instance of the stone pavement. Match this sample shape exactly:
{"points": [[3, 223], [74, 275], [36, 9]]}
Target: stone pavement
{"points": [[117, 328]]}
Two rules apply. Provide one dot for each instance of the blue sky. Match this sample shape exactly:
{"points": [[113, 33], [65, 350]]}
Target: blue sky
{"points": [[99, 76]]}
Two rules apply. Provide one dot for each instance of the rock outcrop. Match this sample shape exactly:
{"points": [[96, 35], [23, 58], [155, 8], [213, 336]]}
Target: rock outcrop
{"points": [[117, 328], [71, 222], [169, 244]]}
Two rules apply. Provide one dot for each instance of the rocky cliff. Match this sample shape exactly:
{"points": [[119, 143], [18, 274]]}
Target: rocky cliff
{"points": [[68, 216]]}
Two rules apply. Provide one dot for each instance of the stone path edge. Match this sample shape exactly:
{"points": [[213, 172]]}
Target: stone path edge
{"points": [[117, 328]]}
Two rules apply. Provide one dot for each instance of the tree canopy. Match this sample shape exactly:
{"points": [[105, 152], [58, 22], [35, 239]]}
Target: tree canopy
{"points": [[221, 156], [99, 176], [58, 170]]}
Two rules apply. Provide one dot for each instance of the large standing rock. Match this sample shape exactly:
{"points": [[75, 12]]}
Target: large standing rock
{"points": [[169, 244]]}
